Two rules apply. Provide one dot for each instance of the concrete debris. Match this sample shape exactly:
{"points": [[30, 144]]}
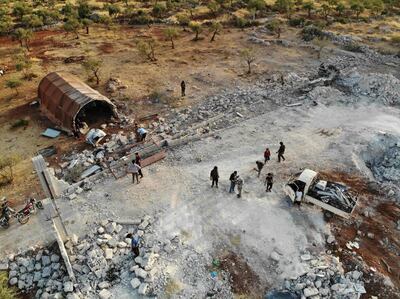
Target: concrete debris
{"points": [[326, 279], [114, 84]]}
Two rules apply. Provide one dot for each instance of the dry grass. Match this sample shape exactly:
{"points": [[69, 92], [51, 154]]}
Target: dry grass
{"points": [[5, 291]]}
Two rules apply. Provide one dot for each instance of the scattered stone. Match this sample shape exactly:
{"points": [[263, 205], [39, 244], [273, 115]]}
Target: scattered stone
{"points": [[135, 283], [103, 285], [104, 294], [108, 253], [143, 288], [68, 287]]}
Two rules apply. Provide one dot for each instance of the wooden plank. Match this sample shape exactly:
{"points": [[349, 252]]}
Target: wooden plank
{"points": [[154, 158]]}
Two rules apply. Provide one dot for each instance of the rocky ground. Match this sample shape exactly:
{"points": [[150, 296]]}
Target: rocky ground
{"points": [[199, 242]]}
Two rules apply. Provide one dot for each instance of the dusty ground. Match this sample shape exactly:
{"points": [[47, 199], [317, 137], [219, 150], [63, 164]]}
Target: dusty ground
{"points": [[214, 221], [152, 87]]}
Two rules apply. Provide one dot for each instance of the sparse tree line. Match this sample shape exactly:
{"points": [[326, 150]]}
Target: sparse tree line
{"points": [[30, 15]]}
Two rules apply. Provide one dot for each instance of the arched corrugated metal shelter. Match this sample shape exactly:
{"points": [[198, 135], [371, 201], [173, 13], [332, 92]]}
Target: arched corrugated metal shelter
{"points": [[62, 96]]}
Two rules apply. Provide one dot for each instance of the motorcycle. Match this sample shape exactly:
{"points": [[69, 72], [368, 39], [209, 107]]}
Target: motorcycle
{"points": [[30, 208], [6, 214]]}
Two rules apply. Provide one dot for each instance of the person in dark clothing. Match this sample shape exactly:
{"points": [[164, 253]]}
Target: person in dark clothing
{"points": [[260, 166], [269, 181], [232, 178], [267, 155], [138, 160], [183, 88], [214, 176], [281, 151], [135, 242]]}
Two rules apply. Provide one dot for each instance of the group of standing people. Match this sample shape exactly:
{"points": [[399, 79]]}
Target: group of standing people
{"points": [[236, 180]]}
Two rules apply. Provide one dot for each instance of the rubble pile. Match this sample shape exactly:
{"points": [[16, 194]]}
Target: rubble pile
{"points": [[103, 260], [325, 279], [43, 270], [114, 84], [73, 167], [377, 87], [382, 157]]}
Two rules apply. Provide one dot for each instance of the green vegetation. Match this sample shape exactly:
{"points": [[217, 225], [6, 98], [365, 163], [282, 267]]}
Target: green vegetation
{"points": [[92, 67], [18, 18], [147, 49], [7, 165], [14, 83], [19, 124], [215, 29], [249, 57], [197, 28], [170, 34]]}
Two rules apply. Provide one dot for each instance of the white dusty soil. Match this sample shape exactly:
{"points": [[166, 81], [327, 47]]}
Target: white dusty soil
{"points": [[178, 191]]}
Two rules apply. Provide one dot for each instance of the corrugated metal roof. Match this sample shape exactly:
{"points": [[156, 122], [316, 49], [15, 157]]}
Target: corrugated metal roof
{"points": [[63, 95]]}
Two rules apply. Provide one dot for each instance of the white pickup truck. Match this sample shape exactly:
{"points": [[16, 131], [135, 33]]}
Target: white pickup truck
{"points": [[334, 197]]}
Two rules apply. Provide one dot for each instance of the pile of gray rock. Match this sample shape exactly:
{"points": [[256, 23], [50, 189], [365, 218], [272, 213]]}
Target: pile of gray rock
{"points": [[384, 88], [326, 279], [115, 84], [43, 270]]}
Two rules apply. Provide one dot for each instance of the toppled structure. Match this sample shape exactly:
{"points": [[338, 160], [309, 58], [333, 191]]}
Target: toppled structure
{"points": [[326, 279], [68, 102], [382, 157]]}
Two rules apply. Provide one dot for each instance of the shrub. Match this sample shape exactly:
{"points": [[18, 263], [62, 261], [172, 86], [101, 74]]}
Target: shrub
{"points": [[296, 22], [308, 33], [353, 47], [395, 39], [20, 123], [5, 291], [7, 165], [159, 10], [241, 22]]}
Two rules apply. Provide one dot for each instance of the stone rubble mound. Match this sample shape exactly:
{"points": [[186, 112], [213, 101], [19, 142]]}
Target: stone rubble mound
{"points": [[103, 260], [383, 88], [325, 279], [43, 270]]}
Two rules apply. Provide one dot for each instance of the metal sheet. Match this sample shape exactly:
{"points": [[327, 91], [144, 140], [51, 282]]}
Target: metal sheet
{"points": [[62, 96]]}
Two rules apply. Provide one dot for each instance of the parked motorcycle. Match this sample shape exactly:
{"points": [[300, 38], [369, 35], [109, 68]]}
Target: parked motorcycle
{"points": [[30, 208], [6, 214]]}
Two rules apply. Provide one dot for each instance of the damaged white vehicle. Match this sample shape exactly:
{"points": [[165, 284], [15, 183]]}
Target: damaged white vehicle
{"points": [[334, 197]]}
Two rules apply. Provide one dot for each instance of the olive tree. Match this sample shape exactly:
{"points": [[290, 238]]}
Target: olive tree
{"points": [[215, 29], [23, 36], [170, 34], [72, 25], [309, 7], [92, 67], [255, 6], [248, 56], [147, 49], [196, 28]]}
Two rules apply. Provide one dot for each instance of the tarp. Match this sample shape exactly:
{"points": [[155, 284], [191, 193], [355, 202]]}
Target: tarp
{"points": [[51, 133]]}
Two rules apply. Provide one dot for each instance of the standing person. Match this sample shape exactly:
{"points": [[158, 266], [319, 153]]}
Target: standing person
{"points": [[232, 178], [214, 176], [183, 88], [269, 181], [267, 155], [138, 160], [135, 242], [260, 166], [281, 151], [239, 183], [142, 134], [134, 169], [136, 130]]}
